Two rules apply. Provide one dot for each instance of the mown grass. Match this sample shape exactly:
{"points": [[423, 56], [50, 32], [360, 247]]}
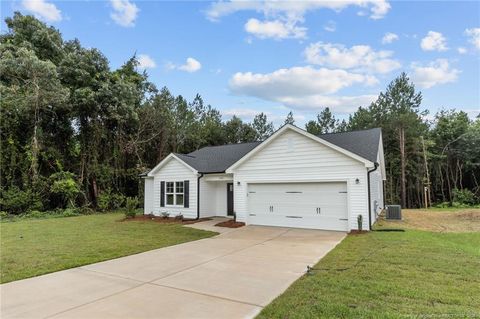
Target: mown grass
{"points": [[33, 247], [411, 274]]}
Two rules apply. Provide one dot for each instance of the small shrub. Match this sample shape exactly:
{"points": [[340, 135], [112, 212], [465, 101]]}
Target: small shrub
{"points": [[118, 200], [110, 201], [70, 212], [85, 210], [179, 217], [165, 215], [360, 222], [35, 214], [131, 207], [16, 201], [103, 201], [65, 186], [460, 205], [130, 214], [3, 215], [463, 197], [442, 205]]}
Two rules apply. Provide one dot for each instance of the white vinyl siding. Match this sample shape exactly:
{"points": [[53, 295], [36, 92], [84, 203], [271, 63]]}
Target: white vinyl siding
{"points": [[292, 157], [213, 198], [376, 194], [207, 198], [376, 186], [174, 171], [148, 193]]}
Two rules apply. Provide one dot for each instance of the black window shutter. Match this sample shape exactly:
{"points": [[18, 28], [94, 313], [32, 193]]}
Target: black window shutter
{"points": [[186, 196], [162, 194]]}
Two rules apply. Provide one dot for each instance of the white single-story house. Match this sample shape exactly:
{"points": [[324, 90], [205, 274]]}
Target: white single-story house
{"points": [[291, 179]]}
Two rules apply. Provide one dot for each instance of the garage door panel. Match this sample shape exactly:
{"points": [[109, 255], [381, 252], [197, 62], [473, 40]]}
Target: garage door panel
{"points": [[305, 205]]}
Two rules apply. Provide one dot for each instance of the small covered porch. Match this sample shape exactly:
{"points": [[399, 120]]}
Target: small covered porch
{"points": [[216, 195]]}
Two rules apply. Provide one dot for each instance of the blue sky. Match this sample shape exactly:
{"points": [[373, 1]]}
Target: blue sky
{"points": [[248, 57]]}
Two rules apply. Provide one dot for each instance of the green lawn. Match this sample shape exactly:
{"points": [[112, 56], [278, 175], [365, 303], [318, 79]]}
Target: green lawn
{"points": [[33, 247], [411, 274]]}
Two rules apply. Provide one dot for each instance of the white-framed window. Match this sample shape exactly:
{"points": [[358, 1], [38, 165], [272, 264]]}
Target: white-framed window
{"points": [[174, 193]]}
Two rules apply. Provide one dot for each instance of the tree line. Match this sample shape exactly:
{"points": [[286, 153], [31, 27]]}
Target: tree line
{"points": [[75, 133]]}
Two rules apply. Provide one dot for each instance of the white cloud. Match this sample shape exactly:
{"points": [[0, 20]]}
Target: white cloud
{"points": [[436, 72], [358, 57], [434, 41], [124, 12], [339, 104], [275, 29], [284, 17], [43, 10], [302, 87], [296, 81], [474, 35], [378, 8], [191, 65], [389, 37], [461, 50], [146, 62], [243, 112], [331, 26]]}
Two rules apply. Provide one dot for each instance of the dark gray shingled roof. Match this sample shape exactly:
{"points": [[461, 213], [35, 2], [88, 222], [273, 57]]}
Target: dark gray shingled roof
{"points": [[216, 159], [363, 143]]}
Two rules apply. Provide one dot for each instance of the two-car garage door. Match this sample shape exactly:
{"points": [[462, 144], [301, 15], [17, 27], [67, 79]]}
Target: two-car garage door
{"points": [[304, 205]]}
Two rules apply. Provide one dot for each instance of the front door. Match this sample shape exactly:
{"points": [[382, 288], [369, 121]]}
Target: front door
{"points": [[230, 199]]}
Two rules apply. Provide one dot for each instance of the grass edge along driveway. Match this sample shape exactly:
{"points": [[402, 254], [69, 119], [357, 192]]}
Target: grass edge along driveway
{"points": [[411, 274], [35, 247]]}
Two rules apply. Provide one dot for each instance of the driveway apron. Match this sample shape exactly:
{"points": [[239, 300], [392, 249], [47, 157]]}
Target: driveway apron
{"points": [[232, 275]]}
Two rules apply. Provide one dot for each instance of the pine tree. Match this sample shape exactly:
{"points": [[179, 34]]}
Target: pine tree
{"points": [[289, 119]]}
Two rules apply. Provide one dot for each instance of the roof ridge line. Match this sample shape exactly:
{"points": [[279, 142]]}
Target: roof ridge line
{"points": [[367, 129], [230, 144], [185, 155]]}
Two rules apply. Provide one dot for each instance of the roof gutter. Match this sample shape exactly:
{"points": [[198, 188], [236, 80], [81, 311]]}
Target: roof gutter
{"points": [[198, 195], [369, 196]]}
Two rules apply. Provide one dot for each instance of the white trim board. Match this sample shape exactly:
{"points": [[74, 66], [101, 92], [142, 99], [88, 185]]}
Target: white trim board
{"points": [[165, 161]]}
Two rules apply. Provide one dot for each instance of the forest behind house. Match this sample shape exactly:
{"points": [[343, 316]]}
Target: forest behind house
{"points": [[76, 134]]}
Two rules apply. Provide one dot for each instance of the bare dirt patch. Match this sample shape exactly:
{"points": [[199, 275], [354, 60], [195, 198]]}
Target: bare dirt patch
{"points": [[437, 220], [230, 224], [163, 220]]}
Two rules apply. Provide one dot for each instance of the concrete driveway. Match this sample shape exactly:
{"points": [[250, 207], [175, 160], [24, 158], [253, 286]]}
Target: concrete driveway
{"points": [[232, 275]]}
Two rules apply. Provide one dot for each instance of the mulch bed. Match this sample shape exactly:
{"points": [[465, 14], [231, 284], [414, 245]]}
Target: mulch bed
{"points": [[230, 224], [357, 232], [162, 220]]}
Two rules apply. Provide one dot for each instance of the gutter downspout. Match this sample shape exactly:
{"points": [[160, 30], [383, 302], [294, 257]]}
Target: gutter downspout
{"points": [[369, 196], [198, 196], [383, 190]]}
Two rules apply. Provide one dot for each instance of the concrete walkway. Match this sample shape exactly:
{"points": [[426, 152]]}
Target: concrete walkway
{"points": [[232, 275]]}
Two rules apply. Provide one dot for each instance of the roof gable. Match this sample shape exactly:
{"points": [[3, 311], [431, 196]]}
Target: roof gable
{"points": [[321, 140], [171, 156]]}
